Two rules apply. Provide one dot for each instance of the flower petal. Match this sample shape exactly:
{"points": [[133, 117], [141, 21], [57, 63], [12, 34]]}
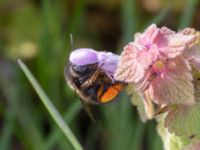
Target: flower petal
{"points": [[174, 86], [165, 30], [193, 55], [191, 31], [148, 36], [148, 105], [171, 45], [129, 70]]}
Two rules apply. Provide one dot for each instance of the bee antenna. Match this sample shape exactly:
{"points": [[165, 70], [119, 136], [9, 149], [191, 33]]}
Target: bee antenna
{"points": [[72, 41]]}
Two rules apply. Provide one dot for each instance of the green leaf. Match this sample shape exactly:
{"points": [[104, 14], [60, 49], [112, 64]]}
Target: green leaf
{"points": [[193, 146], [184, 120], [136, 99], [170, 141], [50, 107]]}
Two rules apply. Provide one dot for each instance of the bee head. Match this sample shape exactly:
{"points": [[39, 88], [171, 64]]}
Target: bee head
{"points": [[90, 74]]}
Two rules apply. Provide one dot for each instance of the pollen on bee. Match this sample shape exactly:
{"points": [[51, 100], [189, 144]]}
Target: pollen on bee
{"points": [[111, 93]]}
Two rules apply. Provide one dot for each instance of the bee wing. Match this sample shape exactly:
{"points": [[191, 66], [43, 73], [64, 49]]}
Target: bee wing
{"points": [[88, 108]]}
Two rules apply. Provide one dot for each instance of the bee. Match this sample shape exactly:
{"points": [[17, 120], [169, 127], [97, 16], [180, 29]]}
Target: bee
{"points": [[90, 74]]}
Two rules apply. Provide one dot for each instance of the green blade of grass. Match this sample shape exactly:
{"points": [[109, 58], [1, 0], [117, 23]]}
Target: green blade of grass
{"points": [[25, 127], [50, 107], [69, 115], [188, 13], [6, 136], [160, 17], [129, 15]]}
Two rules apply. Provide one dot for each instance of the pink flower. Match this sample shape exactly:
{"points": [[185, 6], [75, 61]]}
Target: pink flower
{"points": [[171, 82], [193, 53], [153, 44], [158, 62]]}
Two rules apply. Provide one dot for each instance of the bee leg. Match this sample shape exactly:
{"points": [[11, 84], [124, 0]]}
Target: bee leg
{"points": [[92, 91], [88, 109], [82, 79], [105, 88]]}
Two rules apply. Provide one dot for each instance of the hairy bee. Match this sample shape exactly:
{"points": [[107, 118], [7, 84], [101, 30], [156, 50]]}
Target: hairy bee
{"points": [[90, 74]]}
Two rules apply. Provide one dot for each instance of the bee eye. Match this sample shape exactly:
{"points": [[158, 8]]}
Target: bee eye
{"points": [[80, 69], [86, 69]]}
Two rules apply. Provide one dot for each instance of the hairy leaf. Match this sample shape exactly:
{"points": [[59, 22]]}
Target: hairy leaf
{"points": [[184, 120]]}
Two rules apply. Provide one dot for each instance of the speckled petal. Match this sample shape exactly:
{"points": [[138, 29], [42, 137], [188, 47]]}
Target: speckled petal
{"points": [[174, 86], [193, 32], [193, 55], [129, 69], [134, 62], [148, 36], [83, 56], [172, 45]]}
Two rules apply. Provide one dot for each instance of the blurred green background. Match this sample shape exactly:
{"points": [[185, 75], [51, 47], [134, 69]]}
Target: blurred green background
{"points": [[37, 31]]}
